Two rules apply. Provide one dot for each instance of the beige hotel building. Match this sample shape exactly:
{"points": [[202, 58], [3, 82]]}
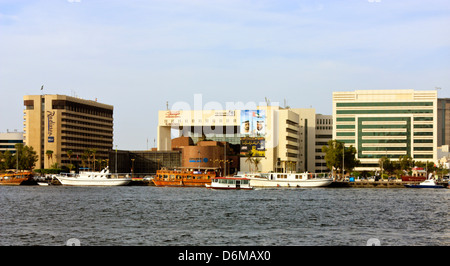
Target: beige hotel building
{"points": [[61, 123]]}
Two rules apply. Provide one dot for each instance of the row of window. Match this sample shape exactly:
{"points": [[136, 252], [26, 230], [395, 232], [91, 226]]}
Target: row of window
{"points": [[352, 141], [409, 111], [350, 134], [382, 126], [87, 135], [375, 104], [352, 119], [81, 108], [392, 156], [90, 124], [88, 129], [11, 141]]}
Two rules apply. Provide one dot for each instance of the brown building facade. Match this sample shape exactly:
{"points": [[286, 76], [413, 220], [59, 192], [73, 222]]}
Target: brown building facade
{"points": [[206, 154]]}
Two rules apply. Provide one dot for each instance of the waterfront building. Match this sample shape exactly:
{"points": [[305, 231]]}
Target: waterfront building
{"points": [[9, 139], [389, 123], [443, 121], [280, 139], [142, 163], [60, 124], [324, 133]]}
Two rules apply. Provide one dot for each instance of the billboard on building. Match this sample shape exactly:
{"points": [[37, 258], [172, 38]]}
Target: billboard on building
{"points": [[253, 131], [253, 123], [254, 144]]}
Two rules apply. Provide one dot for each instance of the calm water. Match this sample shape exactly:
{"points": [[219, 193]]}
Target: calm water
{"points": [[196, 216]]}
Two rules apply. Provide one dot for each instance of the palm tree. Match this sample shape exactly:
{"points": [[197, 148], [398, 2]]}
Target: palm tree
{"points": [[249, 159], [87, 155], [49, 154], [93, 152], [69, 154], [256, 162]]}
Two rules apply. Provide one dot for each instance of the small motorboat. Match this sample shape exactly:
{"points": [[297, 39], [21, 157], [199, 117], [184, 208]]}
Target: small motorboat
{"points": [[429, 183], [230, 183]]}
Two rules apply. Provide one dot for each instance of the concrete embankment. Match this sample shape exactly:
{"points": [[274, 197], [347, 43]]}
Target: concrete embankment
{"points": [[376, 184]]}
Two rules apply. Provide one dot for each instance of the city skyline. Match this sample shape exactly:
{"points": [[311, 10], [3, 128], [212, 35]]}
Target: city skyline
{"points": [[137, 55]]}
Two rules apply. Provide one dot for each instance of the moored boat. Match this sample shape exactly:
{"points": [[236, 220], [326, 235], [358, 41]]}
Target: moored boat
{"points": [[183, 178], [230, 183], [418, 175], [103, 178], [429, 183], [293, 180], [15, 179]]}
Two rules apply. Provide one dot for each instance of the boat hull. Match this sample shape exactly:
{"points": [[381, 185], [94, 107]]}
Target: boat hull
{"points": [[13, 182], [264, 183], [16, 179], [74, 181], [413, 178], [423, 186], [181, 183], [229, 188]]}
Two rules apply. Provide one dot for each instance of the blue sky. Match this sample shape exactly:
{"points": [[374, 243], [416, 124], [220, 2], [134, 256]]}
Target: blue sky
{"points": [[138, 54]]}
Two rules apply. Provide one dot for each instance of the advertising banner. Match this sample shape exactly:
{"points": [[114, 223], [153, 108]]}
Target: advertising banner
{"points": [[253, 131], [254, 144]]}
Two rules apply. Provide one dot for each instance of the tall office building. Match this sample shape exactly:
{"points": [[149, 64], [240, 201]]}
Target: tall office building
{"points": [[60, 123], [390, 123]]}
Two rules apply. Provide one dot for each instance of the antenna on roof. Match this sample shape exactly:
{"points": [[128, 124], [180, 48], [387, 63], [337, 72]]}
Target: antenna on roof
{"points": [[267, 101]]}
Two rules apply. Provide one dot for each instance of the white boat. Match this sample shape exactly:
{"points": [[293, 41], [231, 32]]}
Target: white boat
{"points": [[103, 178], [293, 180], [230, 183], [429, 183]]}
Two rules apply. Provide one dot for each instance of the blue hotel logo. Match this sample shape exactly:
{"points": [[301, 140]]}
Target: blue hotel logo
{"points": [[198, 160], [51, 139]]}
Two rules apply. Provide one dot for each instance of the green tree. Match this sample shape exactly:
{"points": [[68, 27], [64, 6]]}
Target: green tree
{"points": [[333, 155], [338, 156], [93, 152], [256, 162], [406, 163], [441, 171], [27, 156], [8, 160], [87, 154], [350, 161], [430, 167], [387, 167], [69, 155], [49, 154], [249, 159]]}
